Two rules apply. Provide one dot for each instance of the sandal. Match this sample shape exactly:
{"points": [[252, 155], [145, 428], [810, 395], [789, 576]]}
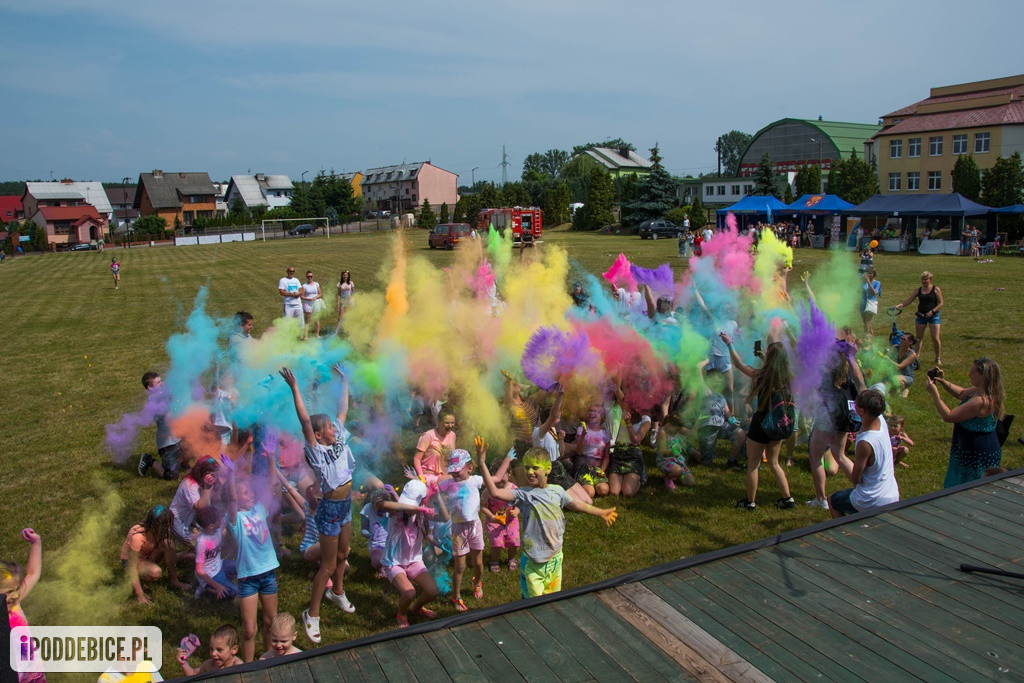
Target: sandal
{"points": [[513, 564], [460, 606], [403, 622], [312, 626], [478, 590], [426, 613]]}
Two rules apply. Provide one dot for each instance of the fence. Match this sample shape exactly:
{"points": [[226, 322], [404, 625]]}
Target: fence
{"points": [[251, 233]]}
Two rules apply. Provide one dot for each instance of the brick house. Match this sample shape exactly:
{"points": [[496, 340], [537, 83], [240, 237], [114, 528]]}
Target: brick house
{"points": [[176, 196], [405, 187], [66, 192]]}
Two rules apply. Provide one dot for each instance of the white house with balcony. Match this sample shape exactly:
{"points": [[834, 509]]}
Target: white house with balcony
{"points": [[268, 191]]}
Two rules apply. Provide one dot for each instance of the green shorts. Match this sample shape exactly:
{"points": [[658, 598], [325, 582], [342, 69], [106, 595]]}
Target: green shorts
{"points": [[537, 578]]}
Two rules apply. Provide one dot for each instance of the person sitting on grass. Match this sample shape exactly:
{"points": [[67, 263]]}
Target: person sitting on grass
{"points": [[871, 472], [543, 525], [146, 545]]}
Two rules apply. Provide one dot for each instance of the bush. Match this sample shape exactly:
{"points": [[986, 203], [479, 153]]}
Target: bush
{"points": [[678, 215]]}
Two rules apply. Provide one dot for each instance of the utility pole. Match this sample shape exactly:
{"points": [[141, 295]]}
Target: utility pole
{"points": [[473, 186], [718, 152], [504, 167]]}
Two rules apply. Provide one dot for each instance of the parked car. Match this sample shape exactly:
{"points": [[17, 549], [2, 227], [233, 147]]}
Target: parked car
{"points": [[447, 235], [660, 228], [302, 229], [83, 246]]}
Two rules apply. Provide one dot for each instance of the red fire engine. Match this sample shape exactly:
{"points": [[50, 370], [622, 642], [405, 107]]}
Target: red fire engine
{"points": [[526, 224]]}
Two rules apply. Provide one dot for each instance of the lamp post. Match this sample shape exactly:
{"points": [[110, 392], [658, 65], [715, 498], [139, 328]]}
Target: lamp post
{"points": [[821, 177], [304, 177], [124, 199]]}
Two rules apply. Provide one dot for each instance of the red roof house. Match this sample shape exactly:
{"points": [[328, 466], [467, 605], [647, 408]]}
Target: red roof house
{"points": [[11, 209], [67, 225]]}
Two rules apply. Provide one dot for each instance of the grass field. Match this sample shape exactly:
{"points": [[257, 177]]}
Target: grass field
{"points": [[74, 350]]}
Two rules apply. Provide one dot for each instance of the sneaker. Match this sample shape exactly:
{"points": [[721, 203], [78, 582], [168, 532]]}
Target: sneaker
{"points": [[495, 567], [145, 462], [478, 590], [746, 505], [816, 503], [312, 626], [341, 600], [670, 484], [459, 605], [513, 565], [785, 503], [654, 435]]}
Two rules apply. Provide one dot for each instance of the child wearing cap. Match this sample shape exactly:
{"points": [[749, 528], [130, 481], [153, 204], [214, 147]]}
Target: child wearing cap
{"points": [[467, 531], [543, 525], [402, 561]]}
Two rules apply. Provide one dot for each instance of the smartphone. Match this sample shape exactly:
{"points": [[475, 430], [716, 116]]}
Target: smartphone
{"points": [[757, 346]]}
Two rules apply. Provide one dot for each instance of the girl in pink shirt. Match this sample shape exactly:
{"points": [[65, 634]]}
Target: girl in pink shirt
{"points": [[433, 448]]}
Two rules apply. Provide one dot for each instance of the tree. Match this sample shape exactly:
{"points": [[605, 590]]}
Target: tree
{"points": [[597, 208], [516, 194], [537, 166], [808, 180], [532, 165], [1003, 184], [629, 193], [442, 214], [730, 149], [427, 218], [788, 196], [967, 177], [698, 217], [555, 204], [491, 197], [854, 180], [764, 177], [657, 193]]}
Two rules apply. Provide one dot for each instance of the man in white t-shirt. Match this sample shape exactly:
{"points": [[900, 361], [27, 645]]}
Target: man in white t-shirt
{"points": [[291, 291]]}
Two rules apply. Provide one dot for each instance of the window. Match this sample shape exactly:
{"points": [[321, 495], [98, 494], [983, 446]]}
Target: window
{"points": [[735, 189], [709, 190], [192, 199], [960, 144], [63, 228], [895, 149], [747, 189], [186, 217], [913, 181], [934, 180], [981, 142], [895, 182], [914, 147], [721, 189], [935, 146], [414, 198]]}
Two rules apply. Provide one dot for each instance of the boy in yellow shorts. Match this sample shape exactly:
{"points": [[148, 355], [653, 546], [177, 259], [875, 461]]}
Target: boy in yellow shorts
{"points": [[542, 520]]}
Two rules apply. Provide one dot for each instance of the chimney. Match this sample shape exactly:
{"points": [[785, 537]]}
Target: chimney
{"points": [[67, 181], [624, 151], [157, 173]]}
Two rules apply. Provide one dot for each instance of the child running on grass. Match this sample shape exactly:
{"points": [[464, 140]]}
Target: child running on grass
{"points": [[329, 456], [257, 582], [467, 531], [540, 565], [283, 633], [223, 652]]}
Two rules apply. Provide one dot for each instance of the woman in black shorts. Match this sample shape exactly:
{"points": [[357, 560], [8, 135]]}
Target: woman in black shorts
{"points": [[773, 379], [929, 301]]}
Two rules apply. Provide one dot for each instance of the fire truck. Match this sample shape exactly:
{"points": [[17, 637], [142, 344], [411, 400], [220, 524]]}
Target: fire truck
{"points": [[526, 224]]}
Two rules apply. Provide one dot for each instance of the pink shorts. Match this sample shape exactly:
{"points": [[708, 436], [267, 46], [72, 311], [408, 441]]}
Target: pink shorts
{"points": [[411, 570], [467, 536], [504, 535]]}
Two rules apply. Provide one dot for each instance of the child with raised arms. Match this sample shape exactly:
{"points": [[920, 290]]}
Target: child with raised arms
{"points": [[502, 523], [223, 652], [330, 457], [194, 493], [467, 531], [15, 585], [402, 561], [257, 581], [543, 525]]}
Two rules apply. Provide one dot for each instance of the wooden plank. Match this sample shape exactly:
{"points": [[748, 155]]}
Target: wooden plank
{"points": [[526, 661], [587, 653], [997, 496], [976, 527], [486, 654], [925, 526], [453, 656], [998, 521], [764, 608], [849, 595], [619, 629], [782, 591], [776, 652], [292, 671], [259, 676], [367, 664], [550, 650], [422, 659], [619, 647], [389, 656], [335, 666]]}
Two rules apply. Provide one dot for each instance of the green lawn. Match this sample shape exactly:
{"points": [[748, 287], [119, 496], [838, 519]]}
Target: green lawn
{"points": [[75, 349]]}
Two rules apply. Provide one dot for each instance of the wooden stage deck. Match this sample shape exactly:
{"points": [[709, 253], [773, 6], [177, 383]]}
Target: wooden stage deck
{"points": [[870, 597]]}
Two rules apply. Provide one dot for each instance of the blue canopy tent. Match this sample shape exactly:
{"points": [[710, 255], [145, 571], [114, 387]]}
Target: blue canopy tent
{"points": [[952, 206], [751, 206], [812, 208]]}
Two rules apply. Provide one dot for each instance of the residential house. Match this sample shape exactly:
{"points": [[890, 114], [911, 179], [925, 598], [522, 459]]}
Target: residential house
{"points": [[260, 190], [68, 225], [122, 200], [619, 162], [66, 192], [181, 197], [919, 144], [11, 209], [355, 179], [405, 187]]}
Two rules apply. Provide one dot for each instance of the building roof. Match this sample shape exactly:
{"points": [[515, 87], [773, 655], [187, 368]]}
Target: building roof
{"points": [[618, 159], [69, 213], [166, 189], [887, 595], [10, 207], [253, 188], [843, 134], [1007, 114], [993, 102], [90, 190], [397, 173]]}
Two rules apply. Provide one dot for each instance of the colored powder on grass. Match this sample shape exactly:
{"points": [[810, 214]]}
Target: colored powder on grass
{"points": [[620, 274]]}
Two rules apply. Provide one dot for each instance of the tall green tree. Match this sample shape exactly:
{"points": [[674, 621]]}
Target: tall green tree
{"points": [[788, 196], [443, 214], [698, 216], [629, 193], [807, 180], [597, 208], [427, 219], [491, 196], [1003, 184], [730, 148], [657, 192], [517, 194], [555, 204], [764, 178], [967, 177]]}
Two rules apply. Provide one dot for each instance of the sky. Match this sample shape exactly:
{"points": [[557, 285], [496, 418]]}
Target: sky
{"points": [[108, 89]]}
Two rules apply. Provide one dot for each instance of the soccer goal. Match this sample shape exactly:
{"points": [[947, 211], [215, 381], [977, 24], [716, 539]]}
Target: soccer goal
{"points": [[292, 224]]}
